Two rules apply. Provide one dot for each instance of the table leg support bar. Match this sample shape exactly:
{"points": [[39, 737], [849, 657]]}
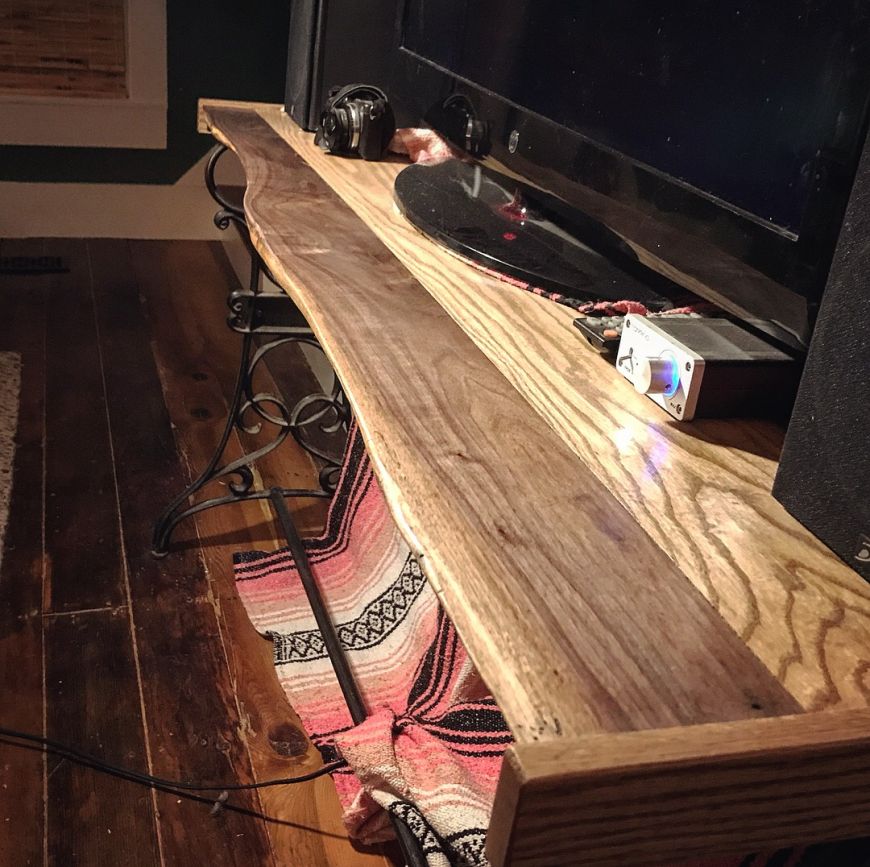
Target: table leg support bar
{"points": [[409, 844]]}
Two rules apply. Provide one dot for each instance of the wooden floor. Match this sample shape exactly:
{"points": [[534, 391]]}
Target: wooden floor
{"points": [[127, 366]]}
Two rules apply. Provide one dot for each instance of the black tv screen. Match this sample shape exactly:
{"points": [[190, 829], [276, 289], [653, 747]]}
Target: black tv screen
{"points": [[757, 108], [734, 99]]}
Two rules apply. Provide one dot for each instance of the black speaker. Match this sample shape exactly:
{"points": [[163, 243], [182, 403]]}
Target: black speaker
{"points": [[824, 474], [333, 43]]}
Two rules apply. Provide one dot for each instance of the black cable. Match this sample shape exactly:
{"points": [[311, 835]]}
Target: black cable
{"points": [[96, 764]]}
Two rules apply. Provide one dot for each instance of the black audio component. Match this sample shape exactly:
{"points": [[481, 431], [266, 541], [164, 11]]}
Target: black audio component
{"points": [[824, 473], [333, 42]]}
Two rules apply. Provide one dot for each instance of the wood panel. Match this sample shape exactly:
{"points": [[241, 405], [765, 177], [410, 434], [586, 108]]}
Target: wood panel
{"points": [[89, 663], [22, 330], [701, 491], [211, 699], [672, 795], [185, 289], [576, 619]]}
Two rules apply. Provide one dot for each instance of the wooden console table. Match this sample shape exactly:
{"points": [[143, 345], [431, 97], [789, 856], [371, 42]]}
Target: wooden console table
{"points": [[686, 670]]}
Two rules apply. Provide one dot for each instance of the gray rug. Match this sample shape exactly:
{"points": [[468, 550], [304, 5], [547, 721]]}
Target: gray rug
{"points": [[10, 387]]}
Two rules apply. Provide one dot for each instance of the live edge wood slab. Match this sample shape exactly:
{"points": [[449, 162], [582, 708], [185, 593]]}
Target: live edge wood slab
{"points": [[684, 667]]}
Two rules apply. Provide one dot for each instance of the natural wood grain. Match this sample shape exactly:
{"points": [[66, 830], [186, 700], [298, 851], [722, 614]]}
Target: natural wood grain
{"points": [[577, 621], [89, 658], [666, 796], [701, 491], [212, 705]]}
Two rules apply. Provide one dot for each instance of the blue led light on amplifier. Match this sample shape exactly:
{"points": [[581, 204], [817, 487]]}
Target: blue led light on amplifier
{"points": [[674, 370]]}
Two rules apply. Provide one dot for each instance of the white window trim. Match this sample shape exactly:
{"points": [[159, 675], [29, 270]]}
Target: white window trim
{"points": [[136, 122]]}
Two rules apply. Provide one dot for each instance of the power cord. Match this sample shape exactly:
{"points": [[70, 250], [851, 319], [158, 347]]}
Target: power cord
{"points": [[173, 786]]}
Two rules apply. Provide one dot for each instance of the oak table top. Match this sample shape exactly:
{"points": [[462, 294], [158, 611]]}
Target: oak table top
{"points": [[609, 569]]}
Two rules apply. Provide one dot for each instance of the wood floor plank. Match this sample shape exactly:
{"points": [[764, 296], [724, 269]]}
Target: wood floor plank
{"points": [[311, 832], [81, 519], [189, 697], [92, 702], [22, 330], [206, 715], [92, 698]]}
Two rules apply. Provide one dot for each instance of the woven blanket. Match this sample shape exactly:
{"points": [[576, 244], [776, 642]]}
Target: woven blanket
{"points": [[431, 749]]}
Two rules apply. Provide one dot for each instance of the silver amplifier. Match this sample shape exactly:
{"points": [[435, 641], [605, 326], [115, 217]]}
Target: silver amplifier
{"points": [[695, 366]]}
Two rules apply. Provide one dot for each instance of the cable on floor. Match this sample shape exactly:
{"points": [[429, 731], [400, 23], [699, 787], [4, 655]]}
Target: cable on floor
{"points": [[176, 787]]}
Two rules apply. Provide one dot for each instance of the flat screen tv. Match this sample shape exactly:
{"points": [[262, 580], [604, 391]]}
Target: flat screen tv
{"points": [[716, 140]]}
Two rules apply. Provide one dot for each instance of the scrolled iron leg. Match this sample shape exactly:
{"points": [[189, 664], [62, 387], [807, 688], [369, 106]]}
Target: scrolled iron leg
{"points": [[254, 313], [174, 512], [248, 411]]}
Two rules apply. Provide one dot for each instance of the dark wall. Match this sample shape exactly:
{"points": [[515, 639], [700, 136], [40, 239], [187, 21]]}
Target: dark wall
{"points": [[225, 49]]}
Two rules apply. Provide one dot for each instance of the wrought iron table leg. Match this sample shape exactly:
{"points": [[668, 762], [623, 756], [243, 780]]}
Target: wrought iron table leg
{"points": [[255, 313], [326, 410], [174, 513]]}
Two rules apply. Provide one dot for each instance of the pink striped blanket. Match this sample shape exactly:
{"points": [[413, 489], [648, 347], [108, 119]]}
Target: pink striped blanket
{"points": [[431, 749]]}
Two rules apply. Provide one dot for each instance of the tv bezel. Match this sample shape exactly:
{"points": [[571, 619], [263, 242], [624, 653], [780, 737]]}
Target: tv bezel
{"points": [[765, 275]]}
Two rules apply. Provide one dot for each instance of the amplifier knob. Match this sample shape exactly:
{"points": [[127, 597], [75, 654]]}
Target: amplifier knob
{"points": [[656, 375]]}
